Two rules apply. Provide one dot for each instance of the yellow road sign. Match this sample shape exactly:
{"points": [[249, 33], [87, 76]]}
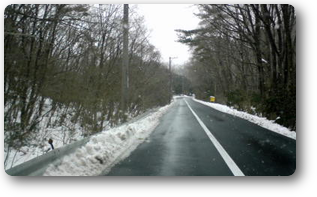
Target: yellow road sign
{"points": [[212, 99]]}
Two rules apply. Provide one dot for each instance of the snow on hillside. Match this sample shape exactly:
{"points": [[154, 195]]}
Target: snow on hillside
{"points": [[105, 149], [50, 127], [261, 121]]}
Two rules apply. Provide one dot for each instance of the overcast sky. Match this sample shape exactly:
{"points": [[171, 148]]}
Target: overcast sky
{"points": [[162, 20]]}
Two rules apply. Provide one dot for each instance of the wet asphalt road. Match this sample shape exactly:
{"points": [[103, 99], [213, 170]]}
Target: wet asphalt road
{"points": [[180, 147]]}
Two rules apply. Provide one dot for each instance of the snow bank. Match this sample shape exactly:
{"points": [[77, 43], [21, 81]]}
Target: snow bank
{"points": [[261, 121], [104, 150]]}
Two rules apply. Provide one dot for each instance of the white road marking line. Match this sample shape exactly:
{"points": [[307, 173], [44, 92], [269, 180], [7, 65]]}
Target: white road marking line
{"points": [[230, 163]]}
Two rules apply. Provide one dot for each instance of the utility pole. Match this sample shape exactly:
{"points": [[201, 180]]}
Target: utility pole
{"points": [[125, 60], [170, 73], [183, 85]]}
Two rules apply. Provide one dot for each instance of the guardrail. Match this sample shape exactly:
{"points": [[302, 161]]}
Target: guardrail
{"points": [[38, 165]]}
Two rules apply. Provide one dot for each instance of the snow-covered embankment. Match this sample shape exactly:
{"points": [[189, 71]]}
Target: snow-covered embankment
{"points": [[107, 148]]}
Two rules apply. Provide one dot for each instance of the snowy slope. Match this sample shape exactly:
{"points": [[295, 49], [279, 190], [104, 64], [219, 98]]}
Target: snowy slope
{"points": [[261, 121], [49, 128], [107, 148]]}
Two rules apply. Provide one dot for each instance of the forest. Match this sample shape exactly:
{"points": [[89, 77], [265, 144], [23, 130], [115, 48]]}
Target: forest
{"points": [[65, 61], [245, 56]]}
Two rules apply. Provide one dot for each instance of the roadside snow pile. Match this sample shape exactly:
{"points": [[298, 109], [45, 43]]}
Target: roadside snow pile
{"points": [[261, 121], [107, 148]]}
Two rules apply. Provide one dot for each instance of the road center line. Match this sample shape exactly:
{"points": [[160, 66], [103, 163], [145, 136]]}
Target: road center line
{"points": [[230, 163]]}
